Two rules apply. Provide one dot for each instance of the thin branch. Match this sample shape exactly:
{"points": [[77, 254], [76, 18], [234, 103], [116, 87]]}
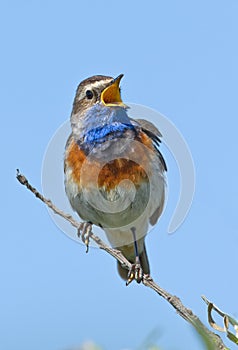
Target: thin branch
{"points": [[174, 301]]}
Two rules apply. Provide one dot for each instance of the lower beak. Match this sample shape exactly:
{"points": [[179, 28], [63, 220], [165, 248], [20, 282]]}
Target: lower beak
{"points": [[111, 95]]}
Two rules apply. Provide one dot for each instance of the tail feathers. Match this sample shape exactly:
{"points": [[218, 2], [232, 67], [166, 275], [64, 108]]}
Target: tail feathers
{"points": [[123, 272]]}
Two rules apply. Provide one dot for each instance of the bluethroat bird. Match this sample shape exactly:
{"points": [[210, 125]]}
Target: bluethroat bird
{"points": [[114, 171]]}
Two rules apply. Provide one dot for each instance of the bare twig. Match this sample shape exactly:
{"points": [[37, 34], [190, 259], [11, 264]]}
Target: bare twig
{"points": [[212, 338]]}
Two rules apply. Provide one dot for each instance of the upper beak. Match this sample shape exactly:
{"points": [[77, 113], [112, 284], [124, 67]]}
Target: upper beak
{"points": [[111, 95]]}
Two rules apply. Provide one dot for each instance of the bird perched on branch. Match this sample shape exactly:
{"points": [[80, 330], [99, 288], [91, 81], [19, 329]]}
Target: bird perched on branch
{"points": [[114, 171]]}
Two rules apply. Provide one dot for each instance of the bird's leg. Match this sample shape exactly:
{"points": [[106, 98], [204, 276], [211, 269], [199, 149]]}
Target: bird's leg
{"points": [[84, 231], [135, 272]]}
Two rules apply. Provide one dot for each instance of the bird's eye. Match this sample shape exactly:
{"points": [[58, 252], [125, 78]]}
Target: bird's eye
{"points": [[89, 94]]}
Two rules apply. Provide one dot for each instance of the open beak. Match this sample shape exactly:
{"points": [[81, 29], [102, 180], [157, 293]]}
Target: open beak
{"points": [[111, 95]]}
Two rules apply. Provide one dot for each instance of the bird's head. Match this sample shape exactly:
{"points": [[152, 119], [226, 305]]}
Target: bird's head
{"points": [[97, 102], [98, 89]]}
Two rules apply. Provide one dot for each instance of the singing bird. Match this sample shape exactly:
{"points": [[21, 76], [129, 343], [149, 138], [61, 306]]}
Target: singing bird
{"points": [[114, 171]]}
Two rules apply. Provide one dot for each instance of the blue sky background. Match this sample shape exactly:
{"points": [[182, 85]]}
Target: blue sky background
{"points": [[178, 57]]}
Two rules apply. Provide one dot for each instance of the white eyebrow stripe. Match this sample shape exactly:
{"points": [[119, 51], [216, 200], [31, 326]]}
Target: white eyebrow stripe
{"points": [[97, 84]]}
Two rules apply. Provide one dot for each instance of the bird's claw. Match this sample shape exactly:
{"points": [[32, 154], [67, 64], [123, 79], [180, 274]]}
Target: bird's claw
{"points": [[135, 273], [85, 231]]}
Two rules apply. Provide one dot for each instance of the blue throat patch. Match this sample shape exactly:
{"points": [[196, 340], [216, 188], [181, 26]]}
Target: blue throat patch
{"points": [[100, 134], [107, 132]]}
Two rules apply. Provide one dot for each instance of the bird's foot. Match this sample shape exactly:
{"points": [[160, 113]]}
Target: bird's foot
{"points": [[85, 231], [135, 273]]}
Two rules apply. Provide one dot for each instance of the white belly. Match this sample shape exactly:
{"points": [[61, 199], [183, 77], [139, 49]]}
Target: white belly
{"points": [[120, 209]]}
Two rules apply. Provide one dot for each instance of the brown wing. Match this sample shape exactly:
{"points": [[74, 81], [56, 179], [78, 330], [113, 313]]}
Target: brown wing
{"points": [[145, 124], [152, 131], [155, 216]]}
